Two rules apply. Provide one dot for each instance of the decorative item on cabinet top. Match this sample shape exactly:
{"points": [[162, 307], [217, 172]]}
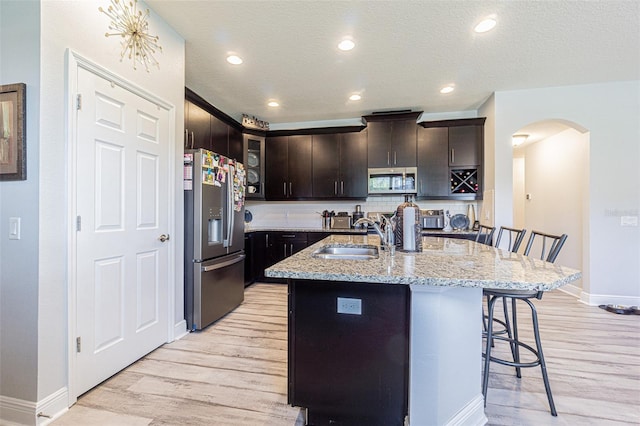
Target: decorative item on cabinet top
{"points": [[252, 122]]}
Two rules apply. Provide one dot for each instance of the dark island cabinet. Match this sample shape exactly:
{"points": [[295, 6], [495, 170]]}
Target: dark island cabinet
{"points": [[339, 165], [197, 129], [392, 140], [288, 167], [349, 352]]}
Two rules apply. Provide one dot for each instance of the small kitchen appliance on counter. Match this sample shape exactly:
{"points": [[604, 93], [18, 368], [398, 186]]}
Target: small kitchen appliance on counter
{"points": [[358, 214], [432, 219], [341, 221]]}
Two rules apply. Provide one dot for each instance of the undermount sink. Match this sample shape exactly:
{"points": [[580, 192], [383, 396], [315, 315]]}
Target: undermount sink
{"points": [[363, 252]]}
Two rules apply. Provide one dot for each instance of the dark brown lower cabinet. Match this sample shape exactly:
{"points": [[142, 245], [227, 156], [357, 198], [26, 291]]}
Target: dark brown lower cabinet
{"points": [[349, 352]]}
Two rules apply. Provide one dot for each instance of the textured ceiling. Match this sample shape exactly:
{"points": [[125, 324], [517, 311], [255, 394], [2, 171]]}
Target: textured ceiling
{"points": [[405, 52]]}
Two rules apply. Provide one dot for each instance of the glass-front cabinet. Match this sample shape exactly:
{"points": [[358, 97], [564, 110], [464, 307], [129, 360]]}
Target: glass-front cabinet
{"points": [[254, 164]]}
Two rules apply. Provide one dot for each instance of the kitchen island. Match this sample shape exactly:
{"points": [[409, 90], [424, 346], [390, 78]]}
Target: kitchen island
{"points": [[445, 283]]}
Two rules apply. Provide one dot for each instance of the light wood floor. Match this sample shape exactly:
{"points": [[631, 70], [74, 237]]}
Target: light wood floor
{"points": [[234, 373]]}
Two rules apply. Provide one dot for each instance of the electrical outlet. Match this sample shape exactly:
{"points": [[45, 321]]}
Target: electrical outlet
{"points": [[350, 306]]}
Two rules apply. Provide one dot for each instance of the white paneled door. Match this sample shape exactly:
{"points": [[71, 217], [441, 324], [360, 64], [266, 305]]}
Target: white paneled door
{"points": [[122, 206]]}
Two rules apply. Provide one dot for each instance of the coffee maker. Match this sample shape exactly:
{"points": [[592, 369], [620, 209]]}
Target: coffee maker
{"points": [[358, 214]]}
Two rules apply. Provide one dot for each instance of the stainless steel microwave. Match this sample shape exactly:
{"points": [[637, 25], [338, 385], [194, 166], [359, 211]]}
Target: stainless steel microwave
{"points": [[396, 180]]}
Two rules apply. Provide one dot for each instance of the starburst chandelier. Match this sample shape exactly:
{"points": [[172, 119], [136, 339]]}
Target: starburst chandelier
{"points": [[131, 24]]}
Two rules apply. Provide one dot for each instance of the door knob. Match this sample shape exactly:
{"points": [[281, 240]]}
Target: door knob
{"points": [[163, 238]]}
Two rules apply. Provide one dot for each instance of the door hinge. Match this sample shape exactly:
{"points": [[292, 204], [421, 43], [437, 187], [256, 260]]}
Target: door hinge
{"points": [[78, 344], [79, 101], [78, 223]]}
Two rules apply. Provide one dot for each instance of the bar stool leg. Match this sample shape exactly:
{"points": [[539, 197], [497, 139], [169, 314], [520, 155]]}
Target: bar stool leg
{"points": [[516, 347], [487, 353], [543, 365]]}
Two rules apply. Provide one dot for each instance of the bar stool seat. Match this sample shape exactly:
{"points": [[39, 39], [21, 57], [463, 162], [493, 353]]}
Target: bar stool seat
{"points": [[511, 321]]}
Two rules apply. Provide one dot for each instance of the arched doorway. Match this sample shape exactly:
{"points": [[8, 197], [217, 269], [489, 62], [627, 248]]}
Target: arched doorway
{"points": [[550, 187]]}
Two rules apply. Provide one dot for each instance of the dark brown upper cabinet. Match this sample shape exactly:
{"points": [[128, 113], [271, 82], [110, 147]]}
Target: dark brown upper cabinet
{"points": [[392, 139], [465, 145], [433, 168], [209, 128], [340, 165], [450, 159], [288, 167], [197, 127]]}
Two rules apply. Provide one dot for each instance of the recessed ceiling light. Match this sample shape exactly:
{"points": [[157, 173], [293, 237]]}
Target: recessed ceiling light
{"points": [[485, 25], [447, 89], [346, 44], [273, 104], [234, 59], [355, 97]]}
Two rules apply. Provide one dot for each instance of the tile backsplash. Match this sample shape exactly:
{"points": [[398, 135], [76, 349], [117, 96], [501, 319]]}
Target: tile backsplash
{"points": [[307, 214]]}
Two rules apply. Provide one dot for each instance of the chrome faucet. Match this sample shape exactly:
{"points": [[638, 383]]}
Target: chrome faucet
{"points": [[386, 236]]}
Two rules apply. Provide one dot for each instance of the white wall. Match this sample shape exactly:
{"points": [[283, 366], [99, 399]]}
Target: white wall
{"points": [[610, 113], [555, 177], [20, 63], [78, 25], [35, 39]]}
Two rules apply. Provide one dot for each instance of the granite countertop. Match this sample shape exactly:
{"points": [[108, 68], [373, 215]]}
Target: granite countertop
{"points": [[443, 262]]}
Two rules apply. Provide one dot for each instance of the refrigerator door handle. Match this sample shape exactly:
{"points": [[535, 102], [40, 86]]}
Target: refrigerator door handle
{"points": [[230, 215], [215, 266]]}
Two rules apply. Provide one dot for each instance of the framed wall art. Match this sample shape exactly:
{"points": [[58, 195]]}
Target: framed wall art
{"points": [[13, 149]]}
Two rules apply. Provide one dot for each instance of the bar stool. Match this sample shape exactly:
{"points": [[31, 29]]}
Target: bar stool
{"points": [[485, 234], [553, 243], [515, 237]]}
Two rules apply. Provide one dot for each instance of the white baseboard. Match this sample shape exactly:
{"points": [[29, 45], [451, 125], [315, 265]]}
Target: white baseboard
{"points": [[471, 415], [180, 330], [572, 290], [52, 406], [15, 411], [604, 299]]}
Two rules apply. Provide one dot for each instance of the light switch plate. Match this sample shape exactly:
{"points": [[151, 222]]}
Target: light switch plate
{"points": [[629, 221], [14, 228]]}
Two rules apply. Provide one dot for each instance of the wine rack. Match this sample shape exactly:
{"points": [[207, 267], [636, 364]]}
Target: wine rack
{"points": [[464, 181]]}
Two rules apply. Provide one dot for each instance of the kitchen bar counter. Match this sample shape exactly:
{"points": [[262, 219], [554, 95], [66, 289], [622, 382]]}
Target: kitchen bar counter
{"points": [[443, 262], [445, 316]]}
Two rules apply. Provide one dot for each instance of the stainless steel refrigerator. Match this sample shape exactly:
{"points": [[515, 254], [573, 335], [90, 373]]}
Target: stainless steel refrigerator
{"points": [[214, 189]]}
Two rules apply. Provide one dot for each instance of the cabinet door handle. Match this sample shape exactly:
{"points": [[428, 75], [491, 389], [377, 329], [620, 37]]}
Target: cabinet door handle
{"points": [[186, 137], [193, 139], [395, 158], [266, 241], [335, 187], [422, 187], [284, 188], [342, 187], [284, 253], [388, 158], [453, 155], [290, 190]]}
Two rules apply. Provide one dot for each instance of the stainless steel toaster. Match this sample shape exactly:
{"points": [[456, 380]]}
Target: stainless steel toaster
{"points": [[432, 219], [341, 222]]}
